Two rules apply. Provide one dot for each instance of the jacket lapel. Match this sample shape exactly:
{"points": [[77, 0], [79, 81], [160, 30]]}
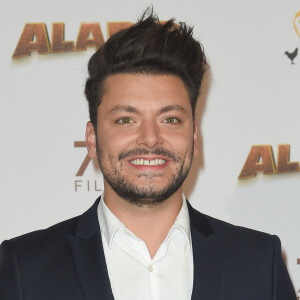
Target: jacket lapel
{"points": [[208, 255], [89, 258]]}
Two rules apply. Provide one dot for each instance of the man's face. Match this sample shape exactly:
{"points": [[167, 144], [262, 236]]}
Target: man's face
{"points": [[146, 137]]}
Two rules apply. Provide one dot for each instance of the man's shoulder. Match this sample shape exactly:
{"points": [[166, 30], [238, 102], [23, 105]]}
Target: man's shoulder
{"points": [[45, 238], [59, 229], [59, 232], [249, 261], [235, 236], [40, 250], [224, 227], [238, 239]]}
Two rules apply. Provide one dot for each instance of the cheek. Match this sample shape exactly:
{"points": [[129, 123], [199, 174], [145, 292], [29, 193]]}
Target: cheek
{"points": [[111, 147], [113, 136], [180, 143]]}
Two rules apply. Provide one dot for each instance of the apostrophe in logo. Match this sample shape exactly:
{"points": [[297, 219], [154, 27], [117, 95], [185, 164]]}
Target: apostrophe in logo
{"points": [[35, 38], [261, 159], [296, 23], [87, 185]]}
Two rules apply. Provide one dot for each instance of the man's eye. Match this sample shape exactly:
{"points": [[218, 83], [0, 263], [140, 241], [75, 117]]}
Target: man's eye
{"points": [[171, 120], [124, 121]]}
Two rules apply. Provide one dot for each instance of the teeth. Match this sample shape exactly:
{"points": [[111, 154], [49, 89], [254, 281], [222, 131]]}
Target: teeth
{"points": [[146, 162]]}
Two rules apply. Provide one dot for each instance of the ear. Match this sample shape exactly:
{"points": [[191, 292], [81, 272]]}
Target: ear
{"points": [[195, 137], [90, 138]]}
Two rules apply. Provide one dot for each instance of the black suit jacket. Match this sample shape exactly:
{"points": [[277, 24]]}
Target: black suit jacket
{"points": [[66, 262]]}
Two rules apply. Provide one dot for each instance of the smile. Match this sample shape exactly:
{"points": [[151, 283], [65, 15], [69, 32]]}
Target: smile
{"points": [[146, 162]]}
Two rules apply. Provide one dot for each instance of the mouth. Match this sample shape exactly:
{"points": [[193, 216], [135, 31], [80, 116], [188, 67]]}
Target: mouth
{"points": [[145, 163], [148, 162]]}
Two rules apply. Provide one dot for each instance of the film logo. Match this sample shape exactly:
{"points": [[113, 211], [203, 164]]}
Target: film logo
{"points": [[80, 183]]}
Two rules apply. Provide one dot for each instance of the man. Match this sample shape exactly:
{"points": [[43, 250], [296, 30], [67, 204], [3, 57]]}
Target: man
{"points": [[142, 239]]}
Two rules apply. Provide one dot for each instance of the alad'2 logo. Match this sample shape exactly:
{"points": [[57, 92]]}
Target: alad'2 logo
{"points": [[35, 38], [296, 23], [261, 159]]}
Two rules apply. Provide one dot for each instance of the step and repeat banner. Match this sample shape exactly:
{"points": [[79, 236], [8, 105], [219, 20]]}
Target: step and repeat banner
{"points": [[248, 169]]}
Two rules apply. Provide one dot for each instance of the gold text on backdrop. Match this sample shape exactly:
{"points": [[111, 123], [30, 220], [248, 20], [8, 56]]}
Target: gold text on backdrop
{"points": [[296, 23], [261, 159], [35, 37]]}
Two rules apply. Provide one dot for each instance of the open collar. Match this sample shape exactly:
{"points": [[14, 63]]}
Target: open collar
{"points": [[87, 250], [109, 223]]}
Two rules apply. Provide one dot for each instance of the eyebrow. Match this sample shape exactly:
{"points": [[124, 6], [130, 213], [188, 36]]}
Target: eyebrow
{"points": [[172, 108], [131, 109], [123, 108]]}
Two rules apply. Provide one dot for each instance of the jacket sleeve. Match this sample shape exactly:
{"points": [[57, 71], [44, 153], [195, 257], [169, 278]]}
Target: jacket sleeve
{"points": [[282, 285], [10, 282]]}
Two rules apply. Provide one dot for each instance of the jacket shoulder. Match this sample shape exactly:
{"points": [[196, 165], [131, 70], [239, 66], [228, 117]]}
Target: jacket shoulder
{"points": [[235, 238], [244, 244], [223, 227], [251, 258], [34, 245], [57, 231]]}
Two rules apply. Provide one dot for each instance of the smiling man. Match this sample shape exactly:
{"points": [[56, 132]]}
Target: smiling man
{"points": [[144, 118], [142, 239]]}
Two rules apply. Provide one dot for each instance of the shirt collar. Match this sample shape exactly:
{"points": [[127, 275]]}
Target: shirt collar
{"points": [[182, 222], [109, 223]]}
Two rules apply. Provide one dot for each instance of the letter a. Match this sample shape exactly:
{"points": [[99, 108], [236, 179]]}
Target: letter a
{"points": [[34, 38], [260, 159], [84, 40]]}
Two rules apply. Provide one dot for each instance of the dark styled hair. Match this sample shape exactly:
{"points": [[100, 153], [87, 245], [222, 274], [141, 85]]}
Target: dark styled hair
{"points": [[148, 47]]}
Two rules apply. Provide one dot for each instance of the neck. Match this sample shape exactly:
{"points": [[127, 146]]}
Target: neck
{"points": [[151, 224]]}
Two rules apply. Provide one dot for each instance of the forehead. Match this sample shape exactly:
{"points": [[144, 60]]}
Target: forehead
{"points": [[144, 91]]}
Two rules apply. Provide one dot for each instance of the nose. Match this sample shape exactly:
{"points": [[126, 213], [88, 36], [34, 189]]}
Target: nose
{"points": [[150, 135]]}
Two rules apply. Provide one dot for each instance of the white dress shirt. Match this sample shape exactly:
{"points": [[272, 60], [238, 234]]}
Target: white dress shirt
{"points": [[133, 274]]}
